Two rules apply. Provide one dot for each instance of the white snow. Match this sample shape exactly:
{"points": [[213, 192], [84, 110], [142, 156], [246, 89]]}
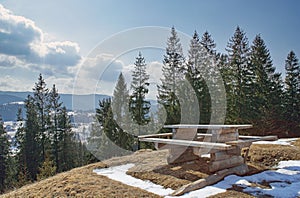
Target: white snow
{"points": [[283, 182], [283, 141], [118, 173]]}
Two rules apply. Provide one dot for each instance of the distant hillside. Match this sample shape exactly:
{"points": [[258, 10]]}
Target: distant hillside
{"points": [[9, 111], [9, 105], [5, 98]]}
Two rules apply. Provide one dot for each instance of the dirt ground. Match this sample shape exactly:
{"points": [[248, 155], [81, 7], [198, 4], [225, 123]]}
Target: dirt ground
{"points": [[149, 165]]}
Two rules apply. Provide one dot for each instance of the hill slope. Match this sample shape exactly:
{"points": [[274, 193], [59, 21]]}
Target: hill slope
{"points": [[149, 165]]}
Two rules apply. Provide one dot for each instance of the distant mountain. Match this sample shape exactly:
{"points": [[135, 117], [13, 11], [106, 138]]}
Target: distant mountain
{"points": [[77, 102], [10, 102], [9, 111], [5, 98]]}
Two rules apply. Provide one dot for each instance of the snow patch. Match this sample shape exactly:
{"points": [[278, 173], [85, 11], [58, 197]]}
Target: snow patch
{"points": [[118, 173], [283, 182], [283, 141]]}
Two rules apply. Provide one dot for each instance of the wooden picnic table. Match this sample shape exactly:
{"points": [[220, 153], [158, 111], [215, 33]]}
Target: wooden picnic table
{"points": [[227, 149], [222, 142]]}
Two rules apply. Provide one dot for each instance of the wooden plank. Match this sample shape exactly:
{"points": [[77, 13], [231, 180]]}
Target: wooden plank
{"points": [[155, 135], [213, 126], [221, 155], [248, 142], [212, 179], [217, 146], [272, 137], [226, 163]]}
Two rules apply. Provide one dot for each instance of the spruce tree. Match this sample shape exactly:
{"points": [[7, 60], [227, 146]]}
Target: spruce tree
{"points": [[32, 144], [121, 113], [94, 141], [120, 104], [21, 154], [111, 134], [173, 73], [4, 156], [292, 85], [54, 131], [195, 74], [208, 43], [138, 105], [267, 93], [41, 97], [239, 79], [66, 143]]}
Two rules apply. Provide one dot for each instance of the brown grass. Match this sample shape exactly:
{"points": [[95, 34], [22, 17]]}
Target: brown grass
{"points": [[149, 165]]}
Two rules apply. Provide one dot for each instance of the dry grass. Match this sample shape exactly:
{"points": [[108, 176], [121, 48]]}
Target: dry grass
{"points": [[149, 165]]}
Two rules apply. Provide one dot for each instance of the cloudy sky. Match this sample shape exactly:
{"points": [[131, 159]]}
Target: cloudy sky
{"points": [[82, 46]]}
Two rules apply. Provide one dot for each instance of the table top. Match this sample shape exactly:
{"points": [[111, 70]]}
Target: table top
{"points": [[208, 126]]}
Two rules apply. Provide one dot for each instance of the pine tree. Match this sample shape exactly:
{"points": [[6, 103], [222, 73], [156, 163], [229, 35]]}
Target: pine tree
{"points": [[41, 97], [239, 80], [32, 145], [94, 141], [173, 73], [21, 154], [113, 141], [195, 74], [120, 104], [208, 43], [54, 131], [292, 87], [138, 105], [214, 96], [267, 93], [66, 143], [122, 115], [4, 155]]}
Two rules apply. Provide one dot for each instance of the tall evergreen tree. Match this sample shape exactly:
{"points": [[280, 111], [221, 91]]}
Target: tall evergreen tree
{"points": [[214, 93], [32, 144], [66, 141], [196, 74], [120, 104], [41, 97], [21, 154], [138, 105], [54, 131], [267, 93], [121, 113], [111, 134], [240, 77], [173, 73], [4, 155], [292, 90]]}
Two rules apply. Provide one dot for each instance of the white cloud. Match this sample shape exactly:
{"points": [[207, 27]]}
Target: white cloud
{"points": [[21, 39], [8, 83], [97, 71], [154, 69]]}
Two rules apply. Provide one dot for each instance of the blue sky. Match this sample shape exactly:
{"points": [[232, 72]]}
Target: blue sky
{"points": [[57, 36]]}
